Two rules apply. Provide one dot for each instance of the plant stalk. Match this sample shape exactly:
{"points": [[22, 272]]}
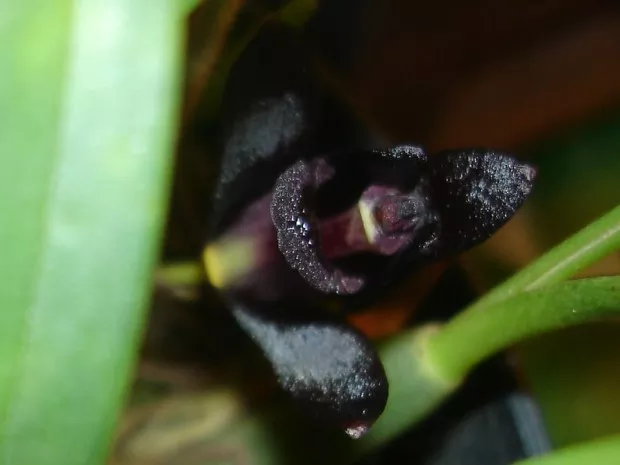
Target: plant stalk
{"points": [[586, 247], [479, 332]]}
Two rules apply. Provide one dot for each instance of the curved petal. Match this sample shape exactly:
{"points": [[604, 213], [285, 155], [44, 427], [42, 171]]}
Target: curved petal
{"points": [[475, 192], [296, 229], [328, 368]]}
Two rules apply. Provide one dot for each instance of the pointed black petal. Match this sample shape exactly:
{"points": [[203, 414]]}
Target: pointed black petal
{"points": [[475, 192], [271, 112], [328, 368]]}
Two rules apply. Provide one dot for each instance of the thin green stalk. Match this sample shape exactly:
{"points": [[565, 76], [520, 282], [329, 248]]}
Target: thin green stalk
{"points": [[189, 5], [180, 274], [292, 12], [604, 451], [595, 241], [480, 332], [297, 12]]}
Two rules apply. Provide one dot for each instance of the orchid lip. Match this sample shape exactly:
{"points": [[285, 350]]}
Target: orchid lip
{"points": [[282, 237], [383, 222]]}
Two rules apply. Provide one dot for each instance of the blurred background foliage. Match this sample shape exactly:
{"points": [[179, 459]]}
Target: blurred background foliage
{"points": [[538, 78]]}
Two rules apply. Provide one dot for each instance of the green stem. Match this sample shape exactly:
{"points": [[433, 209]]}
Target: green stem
{"points": [[180, 274], [480, 332], [297, 12], [416, 388], [581, 250], [293, 12], [604, 451]]}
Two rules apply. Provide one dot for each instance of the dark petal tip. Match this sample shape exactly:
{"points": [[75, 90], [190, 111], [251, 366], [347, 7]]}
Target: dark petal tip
{"points": [[357, 430], [328, 368], [475, 193]]}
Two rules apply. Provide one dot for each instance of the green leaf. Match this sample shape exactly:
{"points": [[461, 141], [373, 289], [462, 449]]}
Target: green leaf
{"points": [[90, 93], [605, 451]]}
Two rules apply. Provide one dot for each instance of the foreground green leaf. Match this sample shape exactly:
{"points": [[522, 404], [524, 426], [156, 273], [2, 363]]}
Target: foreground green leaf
{"points": [[90, 92], [604, 451]]}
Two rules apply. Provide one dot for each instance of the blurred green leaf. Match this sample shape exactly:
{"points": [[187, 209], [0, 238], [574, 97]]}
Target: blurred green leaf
{"points": [[575, 378], [579, 180], [578, 176], [191, 5], [90, 93], [604, 451]]}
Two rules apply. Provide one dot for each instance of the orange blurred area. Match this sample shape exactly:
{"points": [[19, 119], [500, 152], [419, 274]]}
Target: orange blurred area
{"points": [[498, 74], [394, 312]]}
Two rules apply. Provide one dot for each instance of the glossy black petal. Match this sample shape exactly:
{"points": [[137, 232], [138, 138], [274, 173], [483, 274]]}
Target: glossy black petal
{"points": [[475, 192], [293, 218], [270, 117], [274, 111], [331, 371]]}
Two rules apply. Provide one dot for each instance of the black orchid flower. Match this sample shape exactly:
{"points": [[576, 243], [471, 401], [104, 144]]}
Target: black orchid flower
{"points": [[306, 208]]}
